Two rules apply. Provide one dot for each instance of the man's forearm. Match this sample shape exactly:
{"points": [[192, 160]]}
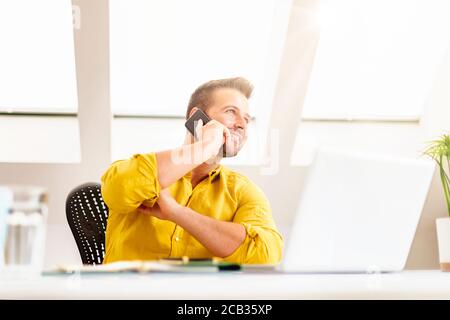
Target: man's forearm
{"points": [[221, 238], [175, 163]]}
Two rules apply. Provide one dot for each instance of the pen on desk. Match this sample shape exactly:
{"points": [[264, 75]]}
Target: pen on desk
{"points": [[229, 267]]}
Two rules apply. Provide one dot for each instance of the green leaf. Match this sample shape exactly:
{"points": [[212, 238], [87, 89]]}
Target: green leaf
{"points": [[439, 150]]}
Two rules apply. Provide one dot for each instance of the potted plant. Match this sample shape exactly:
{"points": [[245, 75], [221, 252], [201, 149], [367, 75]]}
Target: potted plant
{"points": [[439, 150]]}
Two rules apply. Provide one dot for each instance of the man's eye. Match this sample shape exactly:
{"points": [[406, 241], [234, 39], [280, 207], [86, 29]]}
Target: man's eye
{"points": [[232, 110]]}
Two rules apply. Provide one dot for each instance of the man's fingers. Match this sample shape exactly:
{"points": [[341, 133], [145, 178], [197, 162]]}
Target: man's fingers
{"points": [[198, 129], [227, 133], [217, 124], [199, 123], [144, 209]]}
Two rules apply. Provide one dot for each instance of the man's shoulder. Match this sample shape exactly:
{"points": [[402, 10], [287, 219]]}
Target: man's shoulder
{"points": [[240, 180], [235, 176], [245, 189]]}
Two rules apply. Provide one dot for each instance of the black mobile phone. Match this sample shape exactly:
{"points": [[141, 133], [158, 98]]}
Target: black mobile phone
{"points": [[192, 121]]}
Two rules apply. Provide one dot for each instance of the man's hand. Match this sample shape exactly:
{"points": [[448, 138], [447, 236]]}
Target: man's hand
{"points": [[165, 207], [213, 135], [221, 238]]}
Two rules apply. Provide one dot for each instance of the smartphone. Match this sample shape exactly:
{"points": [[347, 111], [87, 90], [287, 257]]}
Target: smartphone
{"points": [[192, 121]]}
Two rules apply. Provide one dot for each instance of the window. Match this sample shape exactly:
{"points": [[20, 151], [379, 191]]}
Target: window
{"points": [[37, 77], [37, 59], [376, 59], [160, 51]]}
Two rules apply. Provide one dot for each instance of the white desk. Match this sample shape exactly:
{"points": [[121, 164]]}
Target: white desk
{"points": [[431, 284]]}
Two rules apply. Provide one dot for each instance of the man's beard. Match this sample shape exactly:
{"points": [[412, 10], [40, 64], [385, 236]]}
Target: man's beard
{"points": [[232, 150]]}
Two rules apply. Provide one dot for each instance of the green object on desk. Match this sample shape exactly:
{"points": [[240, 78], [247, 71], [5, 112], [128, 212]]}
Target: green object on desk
{"points": [[188, 262]]}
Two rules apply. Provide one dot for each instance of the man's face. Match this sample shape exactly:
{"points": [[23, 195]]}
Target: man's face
{"points": [[230, 107]]}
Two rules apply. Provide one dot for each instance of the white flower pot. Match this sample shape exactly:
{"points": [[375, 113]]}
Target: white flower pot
{"points": [[443, 236]]}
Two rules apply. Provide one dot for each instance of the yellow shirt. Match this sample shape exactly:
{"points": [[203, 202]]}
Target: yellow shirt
{"points": [[224, 195]]}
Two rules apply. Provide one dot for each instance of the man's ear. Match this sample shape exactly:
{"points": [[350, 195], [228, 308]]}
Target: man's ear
{"points": [[192, 111]]}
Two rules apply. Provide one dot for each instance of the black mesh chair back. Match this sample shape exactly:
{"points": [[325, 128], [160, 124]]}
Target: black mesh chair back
{"points": [[87, 215]]}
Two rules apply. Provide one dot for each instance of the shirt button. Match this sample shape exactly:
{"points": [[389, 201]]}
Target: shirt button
{"points": [[177, 239]]}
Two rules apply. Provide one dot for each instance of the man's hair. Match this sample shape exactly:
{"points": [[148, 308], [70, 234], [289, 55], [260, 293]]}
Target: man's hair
{"points": [[202, 97]]}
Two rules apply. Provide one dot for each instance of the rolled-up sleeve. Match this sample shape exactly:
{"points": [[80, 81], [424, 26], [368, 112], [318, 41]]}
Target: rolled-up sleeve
{"points": [[263, 243], [127, 184]]}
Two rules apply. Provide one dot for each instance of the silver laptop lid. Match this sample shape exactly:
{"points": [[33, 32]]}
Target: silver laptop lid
{"points": [[358, 212]]}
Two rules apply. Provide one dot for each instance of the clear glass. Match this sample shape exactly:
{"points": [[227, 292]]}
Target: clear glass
{"points": [[6, 199], [24, 230]]}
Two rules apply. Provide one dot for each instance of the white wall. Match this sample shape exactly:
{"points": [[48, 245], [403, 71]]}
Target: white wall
{"points": [[283, 189]]}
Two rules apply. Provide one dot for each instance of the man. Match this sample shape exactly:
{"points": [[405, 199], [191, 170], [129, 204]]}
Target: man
{"points": [[182, 202]]}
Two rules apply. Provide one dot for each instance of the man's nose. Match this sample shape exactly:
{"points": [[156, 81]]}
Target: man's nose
{"points": [[240, 123]]}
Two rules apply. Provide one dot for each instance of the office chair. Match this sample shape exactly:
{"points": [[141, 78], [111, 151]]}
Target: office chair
{"points": [[87, 215]]}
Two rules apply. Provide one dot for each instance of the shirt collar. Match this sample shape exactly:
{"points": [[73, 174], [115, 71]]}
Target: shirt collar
{"points": [[211, 175], [214, 173]]}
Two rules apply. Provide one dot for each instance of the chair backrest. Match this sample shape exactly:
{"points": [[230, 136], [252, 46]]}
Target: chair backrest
{"points": [[87, 215]]}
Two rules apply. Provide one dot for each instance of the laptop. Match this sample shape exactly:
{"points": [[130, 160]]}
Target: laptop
{"points": [[358, 213]]}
